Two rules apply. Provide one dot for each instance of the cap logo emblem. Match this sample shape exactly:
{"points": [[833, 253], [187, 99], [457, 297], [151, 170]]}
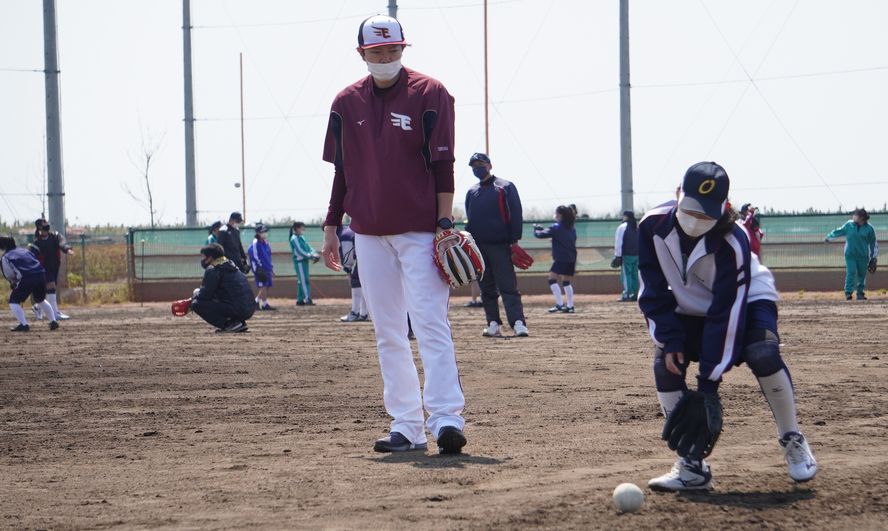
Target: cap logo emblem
{"points": [[381, 32], [706, 187]]}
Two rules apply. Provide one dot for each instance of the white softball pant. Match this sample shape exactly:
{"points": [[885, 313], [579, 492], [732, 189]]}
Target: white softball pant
{"points": [[399, 276]]}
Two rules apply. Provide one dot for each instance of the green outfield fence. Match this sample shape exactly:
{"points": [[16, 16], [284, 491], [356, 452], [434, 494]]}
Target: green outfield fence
{"points": [[790, 242]]}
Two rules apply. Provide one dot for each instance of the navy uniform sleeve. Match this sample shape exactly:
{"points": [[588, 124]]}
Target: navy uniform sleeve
{"points": [[725, 320], [516, 214], [545, 233], [655, 299]]}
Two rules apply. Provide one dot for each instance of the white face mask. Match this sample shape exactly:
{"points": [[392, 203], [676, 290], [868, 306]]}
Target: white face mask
{"points": [[694, 227], [384, 71]]}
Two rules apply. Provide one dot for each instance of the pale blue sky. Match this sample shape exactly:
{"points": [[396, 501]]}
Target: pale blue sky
{"points": [[809, 132]]}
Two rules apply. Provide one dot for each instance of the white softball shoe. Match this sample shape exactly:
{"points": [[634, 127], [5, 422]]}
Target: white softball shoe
{"points": [[686, 474], [521, 329], [492, 330], [799, 459]]}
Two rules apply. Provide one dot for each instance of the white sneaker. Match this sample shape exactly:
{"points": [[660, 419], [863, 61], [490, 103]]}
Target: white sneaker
{"points": [[350, 318], [520, 329], [38, 312], [685, 475], [63, 316], [492, 330], [799, 459]]}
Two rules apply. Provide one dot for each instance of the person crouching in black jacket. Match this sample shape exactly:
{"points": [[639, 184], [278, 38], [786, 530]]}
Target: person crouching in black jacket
{"points": [[224, 299]]}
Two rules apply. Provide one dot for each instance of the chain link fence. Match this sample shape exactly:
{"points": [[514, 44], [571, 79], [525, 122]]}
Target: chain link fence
{"points": [[790, 242]]}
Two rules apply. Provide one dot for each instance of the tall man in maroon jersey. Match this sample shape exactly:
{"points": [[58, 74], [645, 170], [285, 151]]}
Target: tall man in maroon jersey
{"points": [[391, 139]]}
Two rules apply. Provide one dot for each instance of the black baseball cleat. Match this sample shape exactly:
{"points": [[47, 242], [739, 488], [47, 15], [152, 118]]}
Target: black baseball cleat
{"points": [[53, 325], [451, 440], [861, 297], [300, 303], [233, 328], [567, 309], [558, 308], [309, 302], [21, 328], [396, 442]]}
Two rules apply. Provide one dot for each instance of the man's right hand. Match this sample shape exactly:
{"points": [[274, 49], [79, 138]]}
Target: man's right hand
{"points": [[330, 251], [674, 361]]}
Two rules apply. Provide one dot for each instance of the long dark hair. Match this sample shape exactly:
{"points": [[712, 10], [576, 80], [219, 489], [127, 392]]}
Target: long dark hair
{"points": [[568, 218], [726, 223]]}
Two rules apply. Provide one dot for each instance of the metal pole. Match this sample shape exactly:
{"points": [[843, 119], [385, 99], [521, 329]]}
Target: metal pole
{"points": [[142, 277], [243, 164], [83, 264], [626, 192], [190, 181], [55, 191], [393, 8], [486, 90]]}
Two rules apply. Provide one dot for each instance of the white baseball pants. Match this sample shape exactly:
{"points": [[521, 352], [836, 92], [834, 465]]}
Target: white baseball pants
{"points": [[398, 275]]}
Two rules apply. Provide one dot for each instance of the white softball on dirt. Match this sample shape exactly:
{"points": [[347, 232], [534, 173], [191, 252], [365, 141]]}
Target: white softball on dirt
{"points": [[628, 498]]}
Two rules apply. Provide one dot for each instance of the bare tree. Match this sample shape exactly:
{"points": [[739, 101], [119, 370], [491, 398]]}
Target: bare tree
{"points": [[149, 149]]}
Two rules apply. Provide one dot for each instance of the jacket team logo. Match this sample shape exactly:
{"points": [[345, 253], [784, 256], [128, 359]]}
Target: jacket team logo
{"points": [[402, 121]]}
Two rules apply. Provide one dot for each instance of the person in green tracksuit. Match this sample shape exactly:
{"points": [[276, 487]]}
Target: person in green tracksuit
{"points": [[861, 251], [302, 254]]}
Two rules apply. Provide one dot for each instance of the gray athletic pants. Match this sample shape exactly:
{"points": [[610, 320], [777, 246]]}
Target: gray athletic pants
{"points": [[499, 279]]}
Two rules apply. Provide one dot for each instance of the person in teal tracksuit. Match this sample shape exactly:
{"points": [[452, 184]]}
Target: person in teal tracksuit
{"points": [[861, 251], [302, 254]]}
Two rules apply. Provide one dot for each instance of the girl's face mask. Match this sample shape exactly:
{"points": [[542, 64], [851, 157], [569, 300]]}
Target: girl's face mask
{"points": [[694, 226]]}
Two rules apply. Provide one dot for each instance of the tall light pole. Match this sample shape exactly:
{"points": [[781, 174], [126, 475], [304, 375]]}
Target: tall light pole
{"points": [[486, 90], [626, 192], [393, 8], [55, 186], [190, 181], [243, 158]]}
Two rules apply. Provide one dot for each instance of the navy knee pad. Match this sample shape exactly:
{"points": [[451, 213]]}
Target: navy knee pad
{"points": [[552, 281], [566, 283], [762, 354], [665, 380]]}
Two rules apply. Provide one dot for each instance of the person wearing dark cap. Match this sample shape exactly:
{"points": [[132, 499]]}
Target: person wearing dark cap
{"points": [[626, 256], [52, 246], [230, 240], [27, 278], [213, 232], [493, 209], [706, 298], [259, 253], [224, 299], [861, 252]]}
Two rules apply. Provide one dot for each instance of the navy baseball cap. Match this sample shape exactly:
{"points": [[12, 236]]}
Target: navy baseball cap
{"points": [[705, 189], [236, 216], [479, 156]]}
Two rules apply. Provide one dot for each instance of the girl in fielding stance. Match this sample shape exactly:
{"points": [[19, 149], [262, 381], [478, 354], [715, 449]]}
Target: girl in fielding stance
{"points": [[706, 298], [564, 257]]}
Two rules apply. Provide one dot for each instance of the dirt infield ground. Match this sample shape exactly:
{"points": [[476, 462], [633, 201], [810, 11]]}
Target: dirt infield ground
{"points": [[130, 418]]}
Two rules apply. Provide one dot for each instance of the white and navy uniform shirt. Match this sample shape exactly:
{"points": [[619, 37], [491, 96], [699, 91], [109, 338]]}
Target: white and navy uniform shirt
{"points": [[19, 263], [715, 281]]}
